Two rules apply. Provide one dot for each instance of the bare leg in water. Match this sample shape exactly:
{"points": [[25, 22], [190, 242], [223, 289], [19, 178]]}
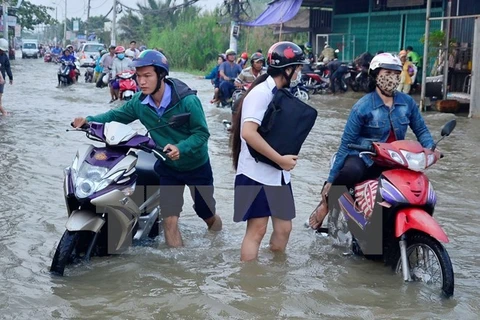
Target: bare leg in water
{"points": [[318, 215]]}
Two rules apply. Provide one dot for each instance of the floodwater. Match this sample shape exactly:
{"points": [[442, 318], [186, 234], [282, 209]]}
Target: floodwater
{"points": [[205, 279]]}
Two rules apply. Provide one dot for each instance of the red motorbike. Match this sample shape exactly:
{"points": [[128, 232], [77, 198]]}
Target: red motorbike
{"points": [[390, 218], [317, 81], [127, 85]]}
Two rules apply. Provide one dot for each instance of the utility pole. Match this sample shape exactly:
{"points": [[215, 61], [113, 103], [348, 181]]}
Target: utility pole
{"points": [[65, 27], [425, 56], [5, 18], [234, 27], [114, 24], [56, 25], [88, 17], [475, 87], [447, 47]]}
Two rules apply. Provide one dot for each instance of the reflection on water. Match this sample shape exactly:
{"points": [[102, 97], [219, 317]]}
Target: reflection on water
{"points": [[205, 280]]}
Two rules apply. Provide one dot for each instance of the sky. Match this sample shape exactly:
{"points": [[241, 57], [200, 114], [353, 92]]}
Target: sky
{"points": [[78, 8]]}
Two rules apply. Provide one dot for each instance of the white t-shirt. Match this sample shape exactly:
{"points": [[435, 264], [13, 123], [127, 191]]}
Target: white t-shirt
{"points": [[254, 106], [132, 53]]}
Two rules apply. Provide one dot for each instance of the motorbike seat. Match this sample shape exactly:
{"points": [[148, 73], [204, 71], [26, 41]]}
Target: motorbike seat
{"points": [[146, 175]]}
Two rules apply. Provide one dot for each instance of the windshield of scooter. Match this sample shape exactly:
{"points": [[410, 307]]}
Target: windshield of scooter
{"points": [[118, 134]]}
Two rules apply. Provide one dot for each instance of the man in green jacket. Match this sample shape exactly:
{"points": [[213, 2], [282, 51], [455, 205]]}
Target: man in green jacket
{"points": [[188, 162]]}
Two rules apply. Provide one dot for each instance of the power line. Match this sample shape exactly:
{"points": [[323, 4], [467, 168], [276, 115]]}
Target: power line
{"points": [[180, 6], [100, 5]]}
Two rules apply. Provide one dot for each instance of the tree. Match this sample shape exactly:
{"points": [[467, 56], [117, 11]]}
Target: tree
{"points": [[30, 15]]}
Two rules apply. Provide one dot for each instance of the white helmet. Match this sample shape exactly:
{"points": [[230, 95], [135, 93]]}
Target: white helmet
{"points": [[3, 44], [385, 61]]}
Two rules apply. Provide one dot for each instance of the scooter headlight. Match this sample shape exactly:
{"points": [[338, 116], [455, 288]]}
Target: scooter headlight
{"points": [[89, 179], [415, 161]]}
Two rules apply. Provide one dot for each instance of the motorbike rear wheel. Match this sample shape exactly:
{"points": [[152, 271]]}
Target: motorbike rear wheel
{"points": [[423, 252], [353, 84], [72, 246]]}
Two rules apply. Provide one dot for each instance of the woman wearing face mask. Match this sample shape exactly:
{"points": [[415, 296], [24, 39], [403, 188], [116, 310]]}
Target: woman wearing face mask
{"points": [[383, 115], [120, 64]]}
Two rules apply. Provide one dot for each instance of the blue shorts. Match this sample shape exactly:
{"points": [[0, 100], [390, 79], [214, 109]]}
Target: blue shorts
{"points": [[2, 86], [172, 185], [115, 84], [255, 200]]}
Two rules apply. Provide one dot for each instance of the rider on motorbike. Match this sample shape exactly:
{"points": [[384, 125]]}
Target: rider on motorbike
{"points": [[256, 69], [229, 70], [119, 64], [69, 58], [383, 115]]}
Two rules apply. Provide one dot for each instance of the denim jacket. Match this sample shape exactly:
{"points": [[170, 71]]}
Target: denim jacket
{"points": [[371, 121]]}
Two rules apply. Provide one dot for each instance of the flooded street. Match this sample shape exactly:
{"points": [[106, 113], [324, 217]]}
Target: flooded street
{"points": [[205, 279]]}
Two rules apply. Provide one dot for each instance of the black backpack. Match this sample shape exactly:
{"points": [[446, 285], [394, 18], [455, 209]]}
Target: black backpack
{"points": [[285, 125]]}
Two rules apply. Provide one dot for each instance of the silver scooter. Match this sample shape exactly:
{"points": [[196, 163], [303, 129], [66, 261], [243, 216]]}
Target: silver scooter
{"points": [[111, 193]]}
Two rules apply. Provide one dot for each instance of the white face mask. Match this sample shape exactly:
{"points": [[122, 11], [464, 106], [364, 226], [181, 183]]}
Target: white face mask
{"points": [[388, 83], [296, 82]]}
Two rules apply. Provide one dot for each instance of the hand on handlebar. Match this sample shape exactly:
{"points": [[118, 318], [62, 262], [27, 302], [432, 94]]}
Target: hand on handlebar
{"points": [[79, 123], [172, 152]]}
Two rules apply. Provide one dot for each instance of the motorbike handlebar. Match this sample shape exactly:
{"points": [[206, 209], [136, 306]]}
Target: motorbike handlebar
{"points": [[84, 126], [360, 147], [160, 154]]}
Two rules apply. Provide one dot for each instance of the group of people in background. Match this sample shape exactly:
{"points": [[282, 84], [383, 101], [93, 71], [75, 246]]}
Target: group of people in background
{"points": [[230, 74], [410, 59]]}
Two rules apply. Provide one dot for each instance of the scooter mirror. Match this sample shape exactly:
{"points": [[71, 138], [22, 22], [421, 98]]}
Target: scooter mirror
{"points": [[179, 120], [448, 128]]}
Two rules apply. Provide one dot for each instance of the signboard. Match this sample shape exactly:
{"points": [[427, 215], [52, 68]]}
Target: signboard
{"points": [[404, 3], [75, 26]]}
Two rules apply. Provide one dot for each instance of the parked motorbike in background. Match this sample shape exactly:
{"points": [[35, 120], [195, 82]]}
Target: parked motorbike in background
{"points": [[317, 81], [391, 218], [108, 193], [300, 91], [127, 85], [353, 71]]}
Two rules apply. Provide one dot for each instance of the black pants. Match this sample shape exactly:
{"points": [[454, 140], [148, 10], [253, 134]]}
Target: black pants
{"points": [[337, 76], [353, 171]]}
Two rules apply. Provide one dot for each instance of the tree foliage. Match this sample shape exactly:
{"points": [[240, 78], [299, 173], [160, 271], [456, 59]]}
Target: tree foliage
{"points": [[30, 15]]}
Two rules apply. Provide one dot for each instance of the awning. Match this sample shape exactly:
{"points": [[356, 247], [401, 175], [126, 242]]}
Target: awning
{"points": [[277, 12]]}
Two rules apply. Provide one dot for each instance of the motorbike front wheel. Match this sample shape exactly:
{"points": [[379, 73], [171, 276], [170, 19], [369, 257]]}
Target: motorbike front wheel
{"points": [[429, 262], [72, 246], [302, 94]]}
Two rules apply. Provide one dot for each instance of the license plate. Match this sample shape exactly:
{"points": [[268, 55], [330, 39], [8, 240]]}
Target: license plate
{"points": [[347, 75]]}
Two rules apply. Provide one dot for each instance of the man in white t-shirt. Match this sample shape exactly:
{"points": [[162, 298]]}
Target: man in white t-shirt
{"points": [[132, 51]]}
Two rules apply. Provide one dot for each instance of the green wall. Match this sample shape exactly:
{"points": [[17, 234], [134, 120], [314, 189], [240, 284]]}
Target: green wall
{"points": [[387, 31]]}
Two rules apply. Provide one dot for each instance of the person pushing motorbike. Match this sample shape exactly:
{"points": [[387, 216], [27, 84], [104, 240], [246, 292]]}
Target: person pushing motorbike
{"points": [[187, 162]]}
